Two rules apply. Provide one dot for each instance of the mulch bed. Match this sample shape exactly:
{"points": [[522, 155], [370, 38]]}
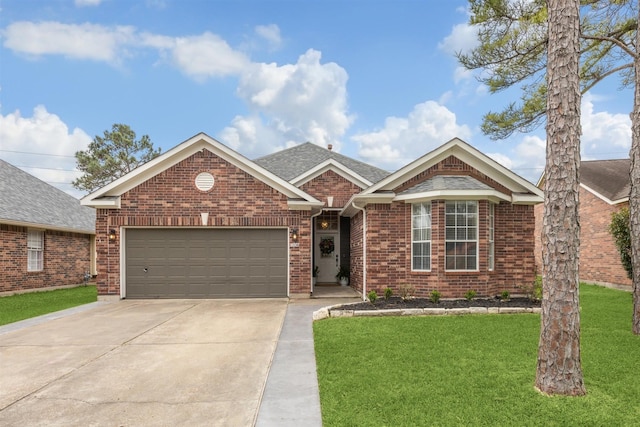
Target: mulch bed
{"points": [[399, 303]]}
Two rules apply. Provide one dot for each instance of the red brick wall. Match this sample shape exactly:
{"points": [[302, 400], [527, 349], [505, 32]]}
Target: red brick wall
{"points": [[170, 199], [599, 258], [389, 252], [66, 258], [331, 184]]}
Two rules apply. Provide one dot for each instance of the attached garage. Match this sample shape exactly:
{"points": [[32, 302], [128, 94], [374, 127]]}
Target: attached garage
{"points": [[206, 263]]}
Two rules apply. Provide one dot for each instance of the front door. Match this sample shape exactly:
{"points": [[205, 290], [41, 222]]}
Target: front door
{"points": [[327, 256]]}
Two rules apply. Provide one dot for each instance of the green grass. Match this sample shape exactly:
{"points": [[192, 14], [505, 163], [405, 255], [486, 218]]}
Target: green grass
{"points": [[25, 306], [475, 370]]}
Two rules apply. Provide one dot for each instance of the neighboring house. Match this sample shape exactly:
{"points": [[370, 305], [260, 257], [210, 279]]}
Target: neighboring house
{"points": [[46, 236], [202, 221], [604, 189]]}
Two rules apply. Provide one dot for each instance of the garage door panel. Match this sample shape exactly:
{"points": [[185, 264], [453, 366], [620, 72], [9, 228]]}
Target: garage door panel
{"points": [[206, 263]]}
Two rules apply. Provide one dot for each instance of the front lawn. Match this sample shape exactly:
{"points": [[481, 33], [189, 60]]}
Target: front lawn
{"points": [[25, 306], [474, 370]]}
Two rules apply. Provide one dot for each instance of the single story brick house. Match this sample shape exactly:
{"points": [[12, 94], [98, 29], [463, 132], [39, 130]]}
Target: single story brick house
{"points": [[604, 188], [203, 221], [46, 236]]}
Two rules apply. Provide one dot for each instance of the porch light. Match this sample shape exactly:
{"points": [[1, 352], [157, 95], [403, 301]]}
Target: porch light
{"points": [[112, 235], [294, 235], [324, 224]]}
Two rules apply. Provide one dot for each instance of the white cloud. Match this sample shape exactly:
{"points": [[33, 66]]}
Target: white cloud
{"points": [[293, 103], [271, 33], [47, 136], [83, 41], [207, 55], [402, 140], [603, 132], [82, 3], [463, 38]]}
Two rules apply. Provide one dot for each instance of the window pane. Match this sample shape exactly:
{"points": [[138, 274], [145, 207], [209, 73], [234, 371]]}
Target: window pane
{"points": [[461, 235], [421, 236]]}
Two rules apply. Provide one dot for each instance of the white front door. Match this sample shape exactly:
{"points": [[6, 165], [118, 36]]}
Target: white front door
{"points": [[327, 256]]}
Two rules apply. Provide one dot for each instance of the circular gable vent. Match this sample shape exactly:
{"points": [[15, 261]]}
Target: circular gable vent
{"points": [[204, 181]]}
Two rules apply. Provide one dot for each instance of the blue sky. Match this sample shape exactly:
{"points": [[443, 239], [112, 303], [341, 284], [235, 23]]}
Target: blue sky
{"points": [[377, 79]]}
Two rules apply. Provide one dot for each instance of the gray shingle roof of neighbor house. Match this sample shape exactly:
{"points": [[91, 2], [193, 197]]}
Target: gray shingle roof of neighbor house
{"points": [[295, 161], [609, 178], [26, 200]]}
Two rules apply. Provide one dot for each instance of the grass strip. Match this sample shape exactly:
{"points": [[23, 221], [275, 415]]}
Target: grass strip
{"points": [[475, 369], [25, 306]]}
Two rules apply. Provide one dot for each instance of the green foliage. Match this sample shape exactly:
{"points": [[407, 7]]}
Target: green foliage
{"points": [[406, 291], [25, 306], [512, 53], [470, 294], [621, 232], [343, 272], [435, 297], [536, 291], [373, 296], [387, 293], [112, 156], [504, 296], [474, 370]]}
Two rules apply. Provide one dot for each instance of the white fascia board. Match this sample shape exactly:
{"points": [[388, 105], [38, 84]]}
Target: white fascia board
{"points": [[183, 151], [361, 200], [599, 196], [492, 195], [335, 166], [45, 226], [304, 205], [469, 155], [110, 202], [526, 199]]}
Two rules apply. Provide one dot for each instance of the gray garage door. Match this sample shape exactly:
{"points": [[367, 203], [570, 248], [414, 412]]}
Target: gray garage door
{"points": [[206, 263]]}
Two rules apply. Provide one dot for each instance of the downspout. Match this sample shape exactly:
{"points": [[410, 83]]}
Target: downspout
{"points": [[313, 231], [364, 250]]}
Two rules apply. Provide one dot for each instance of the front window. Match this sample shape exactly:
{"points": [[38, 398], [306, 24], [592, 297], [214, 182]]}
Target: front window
{"points": [[421, 236], [35, 250], [461, 235], [492, 255]]}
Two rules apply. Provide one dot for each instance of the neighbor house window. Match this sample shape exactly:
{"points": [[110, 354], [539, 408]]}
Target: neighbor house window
{"points": [[492, 253], [461, 235], [35, 250], [421, 236]]}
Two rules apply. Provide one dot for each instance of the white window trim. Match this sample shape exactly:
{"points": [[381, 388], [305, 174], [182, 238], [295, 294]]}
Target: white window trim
{"points": [[37, 249], [491, 250], [477, 240], [430, 241]]}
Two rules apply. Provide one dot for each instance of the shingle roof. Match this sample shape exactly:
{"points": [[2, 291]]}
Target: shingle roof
{"points": [[293, 162], [445, 182], [26, 199], [609, 178]]}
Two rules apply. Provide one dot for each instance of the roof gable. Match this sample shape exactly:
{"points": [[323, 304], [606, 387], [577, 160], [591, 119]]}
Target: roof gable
{"points": [[607, 179], [27, 201], [109, 195], [297, 163]]}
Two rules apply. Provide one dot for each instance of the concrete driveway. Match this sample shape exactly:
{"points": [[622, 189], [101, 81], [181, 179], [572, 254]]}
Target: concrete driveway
{"points": [[159, 362]]}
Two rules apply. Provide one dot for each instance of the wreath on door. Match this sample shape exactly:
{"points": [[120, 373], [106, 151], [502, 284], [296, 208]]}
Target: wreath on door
{"points": [[326, 246]]}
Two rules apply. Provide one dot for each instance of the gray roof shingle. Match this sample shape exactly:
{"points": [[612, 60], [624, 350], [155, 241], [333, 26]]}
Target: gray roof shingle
{"points": [[26, 199], [293, 162], [610, 178], [446, 182]]}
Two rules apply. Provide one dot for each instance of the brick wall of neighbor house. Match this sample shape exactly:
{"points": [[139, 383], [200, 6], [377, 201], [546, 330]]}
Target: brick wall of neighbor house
{"points": [[389, 252], [599, 258], [331, 184], [66, 258], [170, 199]]}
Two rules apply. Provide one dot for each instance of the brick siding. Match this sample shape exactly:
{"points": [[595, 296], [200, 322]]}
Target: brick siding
{"points": [[330, 184], [170, 199], [599, 258], [67, 256]]}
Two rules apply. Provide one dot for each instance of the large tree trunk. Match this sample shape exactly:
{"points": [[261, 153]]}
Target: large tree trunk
{"points": [[559, 369], [634, 196]]}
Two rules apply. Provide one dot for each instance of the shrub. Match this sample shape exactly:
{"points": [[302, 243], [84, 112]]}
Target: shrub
{"points": [[406, 291], [620, 230], [435, 297], [387, 293], [373, 296], [471, 294], [504, 296]]}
